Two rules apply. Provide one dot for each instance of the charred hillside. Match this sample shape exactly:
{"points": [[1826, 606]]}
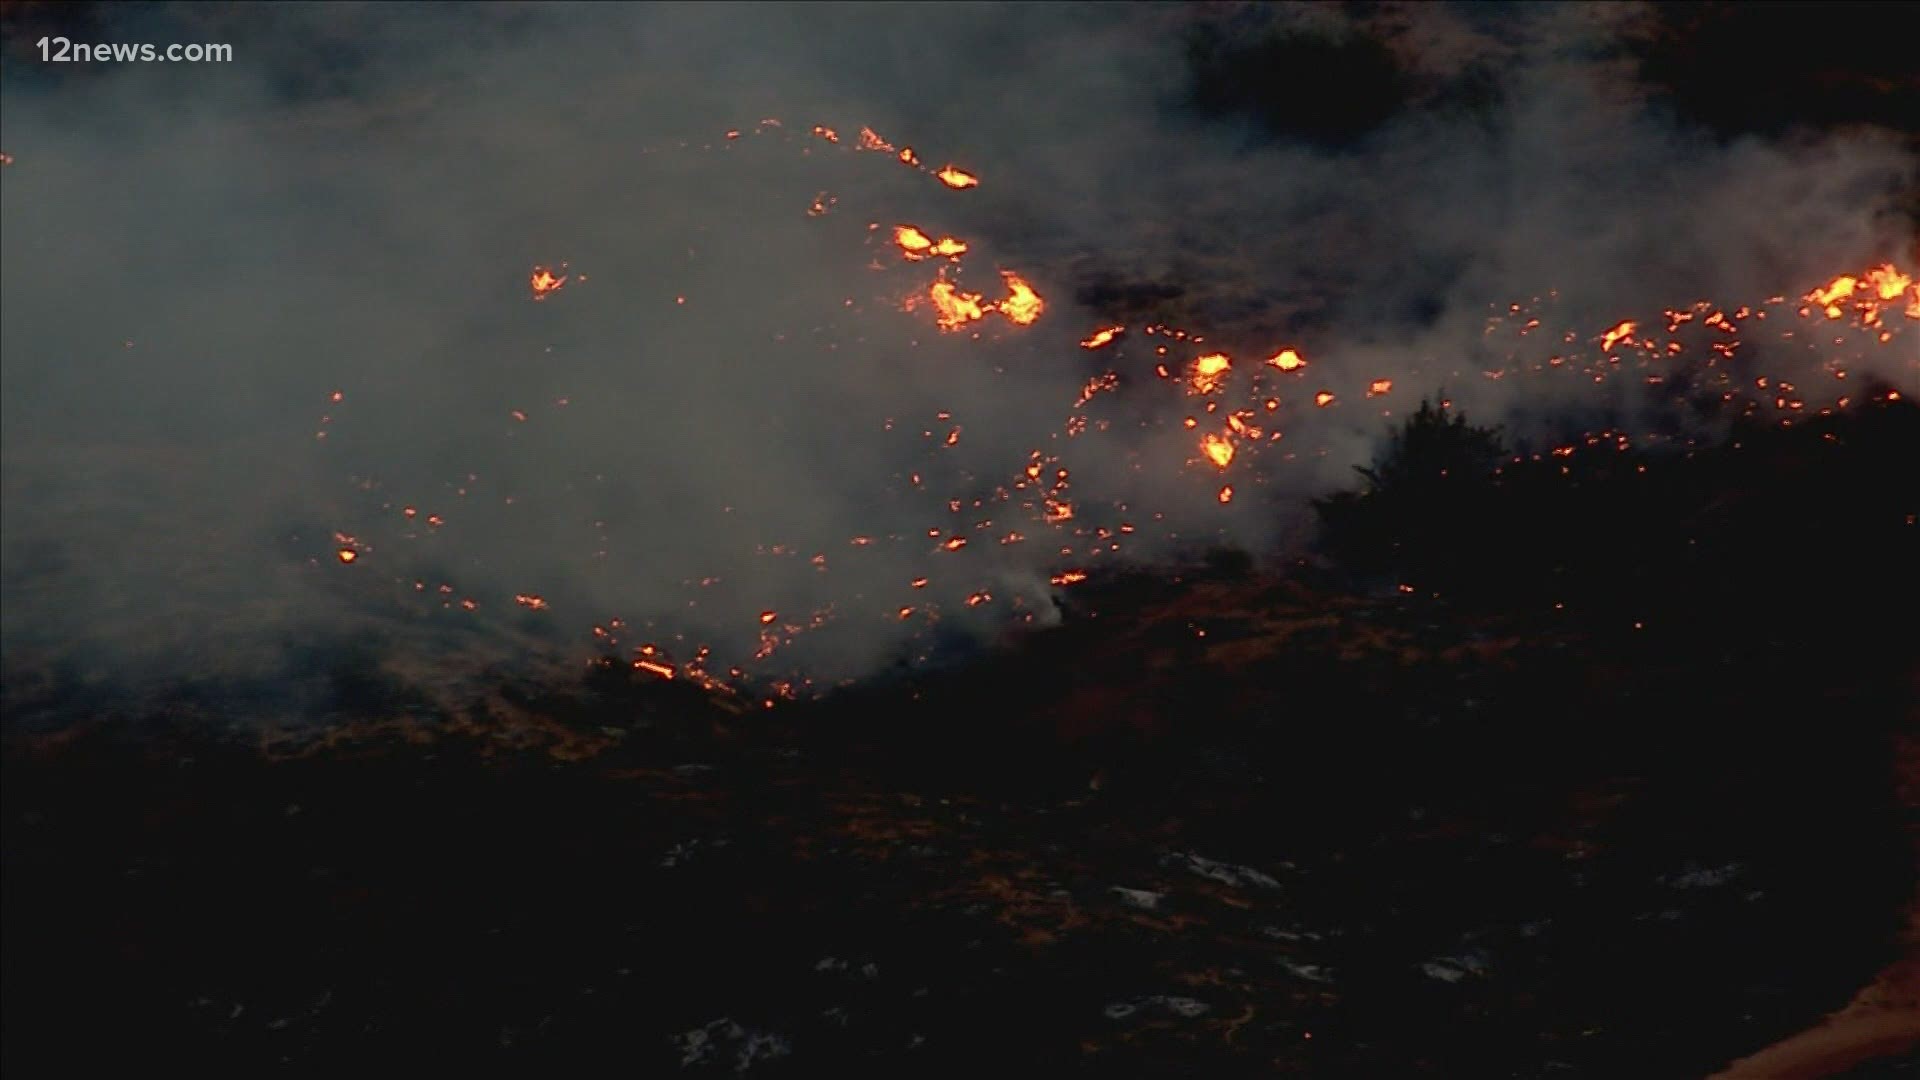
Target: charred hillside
{"points": [[1596, 777]]}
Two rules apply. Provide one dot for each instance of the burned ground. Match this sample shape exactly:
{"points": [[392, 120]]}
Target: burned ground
{"points": [[1242, 819]]}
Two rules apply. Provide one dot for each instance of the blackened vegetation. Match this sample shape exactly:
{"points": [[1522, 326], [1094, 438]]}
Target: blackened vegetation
{"points": [[1320, 87], [1769, 68], [1780, 526], [1606, 794]]}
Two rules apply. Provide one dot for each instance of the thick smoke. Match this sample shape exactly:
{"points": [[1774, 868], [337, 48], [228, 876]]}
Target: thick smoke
{"points": [[197, 257]]}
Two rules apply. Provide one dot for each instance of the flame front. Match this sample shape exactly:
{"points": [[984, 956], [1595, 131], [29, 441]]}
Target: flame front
{"points": [[1236, 420]]}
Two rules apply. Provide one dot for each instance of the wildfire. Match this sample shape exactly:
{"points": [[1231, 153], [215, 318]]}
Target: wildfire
{"points": [[1022, 305], [915, 245], [1286, 360], [1841, 288], [1883, 283], [1218, 448], [1209, 371], [957, 179], [954, 309], [1235, 423], [545, 282], [1622, 332], [1888, 281]]}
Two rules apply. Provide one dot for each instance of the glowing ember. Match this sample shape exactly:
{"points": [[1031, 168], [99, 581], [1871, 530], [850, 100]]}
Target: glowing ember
{"points": [[1234, 422], [545, 282], [1841, 288], [1022, 305], [1218, 448], [1209, 371], [1622, 332], [957, 179], [916, 245], [954, 309]]}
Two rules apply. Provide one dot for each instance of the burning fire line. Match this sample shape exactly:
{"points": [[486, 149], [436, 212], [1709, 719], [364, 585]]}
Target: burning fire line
{"points": [[1036, 495]]}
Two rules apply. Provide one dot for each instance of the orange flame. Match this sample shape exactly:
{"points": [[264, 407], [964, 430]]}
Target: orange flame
{"points": [[1323, 399], [1102, 337], [953, 308], [915, 245], [1218, 448], [545, 282], [1226, 494], [1622, 332], [1286, 360], [957, 179], [1379, 386], [1022, 305], [1841, 288], [347, 555], [1209, 371], [1888, 281]]}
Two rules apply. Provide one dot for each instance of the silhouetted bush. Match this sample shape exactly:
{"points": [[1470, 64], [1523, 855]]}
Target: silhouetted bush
{"points": [[1776, 534], [1422, 510]]}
